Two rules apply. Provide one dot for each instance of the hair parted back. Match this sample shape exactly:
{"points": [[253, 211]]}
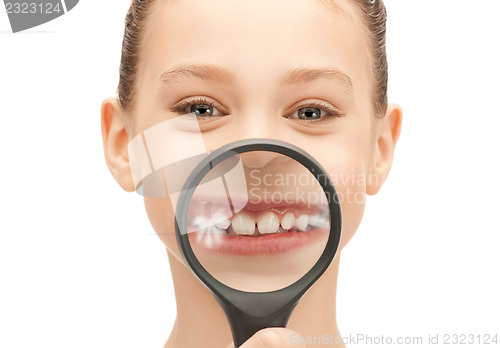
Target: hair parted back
{"points": [[374, 17]]}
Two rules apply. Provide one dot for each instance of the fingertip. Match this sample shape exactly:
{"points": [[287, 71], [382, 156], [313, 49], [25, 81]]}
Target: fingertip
{"points": [[271, 338], [268, 338]]}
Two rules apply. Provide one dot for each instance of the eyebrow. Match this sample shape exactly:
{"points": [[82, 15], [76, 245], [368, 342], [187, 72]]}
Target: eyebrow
{"points": [[201, 72], [214, 73], [305, 75]]}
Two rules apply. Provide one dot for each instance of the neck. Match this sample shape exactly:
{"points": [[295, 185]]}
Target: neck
{"points": [[200, 322]]}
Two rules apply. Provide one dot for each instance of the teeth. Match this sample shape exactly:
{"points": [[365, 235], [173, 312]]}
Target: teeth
{"points": [[268, 223], [317, 221], [243, 224], [220, 220], [214, 230], [207, 226], [288, 221], [302, 222]]}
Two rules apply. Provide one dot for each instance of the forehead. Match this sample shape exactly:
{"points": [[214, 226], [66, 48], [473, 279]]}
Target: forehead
{"points": [[256, 40]]}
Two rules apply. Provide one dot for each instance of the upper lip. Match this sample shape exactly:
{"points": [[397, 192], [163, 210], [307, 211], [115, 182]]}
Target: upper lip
{"points": [[211, 205]]}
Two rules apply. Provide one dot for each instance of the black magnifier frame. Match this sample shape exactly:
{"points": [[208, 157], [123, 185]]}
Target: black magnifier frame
{"points": [[249, 312]]}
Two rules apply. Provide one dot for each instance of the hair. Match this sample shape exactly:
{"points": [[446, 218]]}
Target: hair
{"points": [[374, 17]]}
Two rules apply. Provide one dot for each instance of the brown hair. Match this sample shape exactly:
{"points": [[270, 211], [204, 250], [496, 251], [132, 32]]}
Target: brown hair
{"points": [[373, 14], [375, 17]]}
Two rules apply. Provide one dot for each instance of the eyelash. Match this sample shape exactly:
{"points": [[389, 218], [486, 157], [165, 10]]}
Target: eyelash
{"points": [[331, 112], [185, 104]]}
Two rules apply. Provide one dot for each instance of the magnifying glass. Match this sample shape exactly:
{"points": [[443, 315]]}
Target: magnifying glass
{"points": [[257, 221]]}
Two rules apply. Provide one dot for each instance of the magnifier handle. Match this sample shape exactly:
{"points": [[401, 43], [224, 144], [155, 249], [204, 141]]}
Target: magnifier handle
{"points": [[244, 326]]}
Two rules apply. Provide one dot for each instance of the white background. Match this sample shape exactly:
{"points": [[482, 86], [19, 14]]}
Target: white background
{"points": [[80, 265]]}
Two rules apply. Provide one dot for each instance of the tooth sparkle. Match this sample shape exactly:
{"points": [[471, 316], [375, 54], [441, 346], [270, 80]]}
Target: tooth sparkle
{"points": [[268, 223], [201, 222], [220, 220], [317, 221]]}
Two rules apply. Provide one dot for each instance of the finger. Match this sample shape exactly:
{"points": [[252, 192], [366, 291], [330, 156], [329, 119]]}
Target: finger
{"points": [[271, 338]]}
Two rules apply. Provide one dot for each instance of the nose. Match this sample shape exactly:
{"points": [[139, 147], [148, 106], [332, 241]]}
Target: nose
{"points": [[260, 159], [257, 124], [256, 121]]}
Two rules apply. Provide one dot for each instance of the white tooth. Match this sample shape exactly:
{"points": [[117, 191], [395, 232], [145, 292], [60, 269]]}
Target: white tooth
{"points": [[214, 230], [268, 223], [220, 220], [243, 224], [317, 221], [302, 222], [288, 221]]}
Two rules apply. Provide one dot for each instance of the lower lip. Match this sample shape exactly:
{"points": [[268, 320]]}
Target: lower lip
{"points": [[272, 244]]}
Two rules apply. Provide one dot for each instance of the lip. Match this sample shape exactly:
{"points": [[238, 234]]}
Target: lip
{"points": [[272, 244], [269, 244]]}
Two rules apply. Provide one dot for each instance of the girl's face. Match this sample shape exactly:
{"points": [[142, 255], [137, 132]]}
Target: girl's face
{"points": [[293, 70]]}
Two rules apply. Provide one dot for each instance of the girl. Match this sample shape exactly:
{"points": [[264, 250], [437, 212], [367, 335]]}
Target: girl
{"points": [[309, 72]]}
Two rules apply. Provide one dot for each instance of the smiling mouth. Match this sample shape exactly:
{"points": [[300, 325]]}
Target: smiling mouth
{"points": [[257, 228]]}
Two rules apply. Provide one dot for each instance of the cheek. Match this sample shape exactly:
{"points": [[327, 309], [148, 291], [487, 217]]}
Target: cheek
{"points": [[348, 181], [349, 177], [352, 197], [161, 216]]}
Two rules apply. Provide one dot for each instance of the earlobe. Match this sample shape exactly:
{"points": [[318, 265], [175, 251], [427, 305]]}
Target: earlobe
{"points": [[115, 140], [388, 134]]}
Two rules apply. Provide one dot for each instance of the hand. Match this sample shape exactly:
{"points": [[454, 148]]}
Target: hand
{"points": [[270, 338]]}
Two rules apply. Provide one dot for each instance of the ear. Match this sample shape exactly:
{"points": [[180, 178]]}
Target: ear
{"points": [[115, 140], [387, 136]]}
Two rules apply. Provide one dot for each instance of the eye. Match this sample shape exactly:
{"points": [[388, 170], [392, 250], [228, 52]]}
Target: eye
{"points": [[204, 110], [309, 113], [199, 107], [315, 111]]}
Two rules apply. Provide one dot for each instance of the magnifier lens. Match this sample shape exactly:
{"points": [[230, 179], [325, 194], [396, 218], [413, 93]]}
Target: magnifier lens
{"points": [[258, 221]]}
